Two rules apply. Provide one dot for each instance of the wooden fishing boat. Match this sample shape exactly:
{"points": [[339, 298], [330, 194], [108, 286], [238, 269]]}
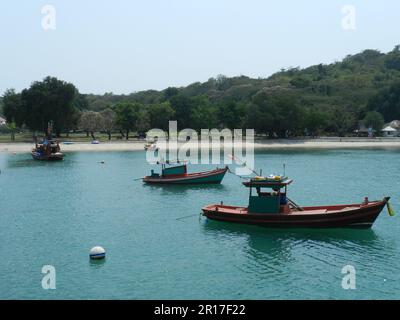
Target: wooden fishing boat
{"points": [[48, 150], [179, 175], [275, 209]]}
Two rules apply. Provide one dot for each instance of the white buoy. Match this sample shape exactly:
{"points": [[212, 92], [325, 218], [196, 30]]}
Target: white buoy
{"points": [[97, 253]]}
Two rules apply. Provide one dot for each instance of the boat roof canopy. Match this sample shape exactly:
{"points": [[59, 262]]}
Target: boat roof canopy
{"points": [[267, 183]]}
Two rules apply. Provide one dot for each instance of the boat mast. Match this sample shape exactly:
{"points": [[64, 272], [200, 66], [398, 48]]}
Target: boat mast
{"points": [[49, 130]]}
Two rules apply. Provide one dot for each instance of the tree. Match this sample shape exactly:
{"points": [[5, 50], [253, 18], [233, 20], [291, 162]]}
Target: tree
{"points": [[231, 114], [12, 107], [275, 114], [143, 123], [81, 102], [342, 121], [72, 120], [127, 115], [204, 114], [387, 102], [51, 100], [300, 82], [170, 92], [321, 71], [261, 114], [392, 60], [12, 127], [183, 108], [160, 115], [108, 121], [222, 82], [314, 121], [91, 122], [374, 120], [289, 117]]}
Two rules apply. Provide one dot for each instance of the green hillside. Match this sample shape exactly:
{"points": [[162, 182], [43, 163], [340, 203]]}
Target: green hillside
{"points": [[336, 96], [321, 99]]}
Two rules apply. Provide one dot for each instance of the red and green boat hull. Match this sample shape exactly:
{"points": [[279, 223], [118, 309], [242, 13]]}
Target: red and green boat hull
{"points": [[342, 216]]}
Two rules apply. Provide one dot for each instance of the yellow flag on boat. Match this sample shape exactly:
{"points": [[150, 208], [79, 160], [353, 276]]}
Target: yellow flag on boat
{"points": [[390, 209]]}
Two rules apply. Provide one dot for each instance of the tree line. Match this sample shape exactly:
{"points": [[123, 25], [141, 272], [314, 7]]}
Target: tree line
{"points": [[329, 99]]}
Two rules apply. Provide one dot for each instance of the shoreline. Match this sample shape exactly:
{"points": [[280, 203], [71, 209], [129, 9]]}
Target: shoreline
{"points": [[324, 143]]}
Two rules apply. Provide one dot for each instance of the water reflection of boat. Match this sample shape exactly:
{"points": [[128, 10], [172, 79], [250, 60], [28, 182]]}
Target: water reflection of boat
{"points": [[186, 189], [277, 247], [275, 209], [268, 247], [354, 236], [48, 150]]}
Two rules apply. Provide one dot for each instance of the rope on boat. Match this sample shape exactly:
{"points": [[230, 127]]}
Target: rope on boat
{"points": [[240, 177], [242, 163]]}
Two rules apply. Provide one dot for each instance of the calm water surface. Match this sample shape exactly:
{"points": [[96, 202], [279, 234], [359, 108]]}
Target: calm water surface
{"points": [[158, 248]]}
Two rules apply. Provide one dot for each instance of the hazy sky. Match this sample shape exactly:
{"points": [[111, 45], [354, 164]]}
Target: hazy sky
{"points": [[125, 46]]}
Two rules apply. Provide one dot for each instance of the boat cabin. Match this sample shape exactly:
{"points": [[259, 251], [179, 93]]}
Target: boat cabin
{"points": [[47, 147], [268, 195], [170, 171]]}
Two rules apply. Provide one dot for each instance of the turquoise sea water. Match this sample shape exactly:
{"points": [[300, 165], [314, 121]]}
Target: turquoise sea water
{"points": [[158, 248]]}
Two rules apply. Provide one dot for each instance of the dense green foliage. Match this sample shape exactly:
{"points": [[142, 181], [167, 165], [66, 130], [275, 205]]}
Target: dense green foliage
{"points": [[48, 102], [127, 116], [387, 102], [331, 99], [374, 120]]}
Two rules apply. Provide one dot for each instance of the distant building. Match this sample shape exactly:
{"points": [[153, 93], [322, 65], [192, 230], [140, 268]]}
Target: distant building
{"points": [[3, 121], [394, 124], [391, 129]]}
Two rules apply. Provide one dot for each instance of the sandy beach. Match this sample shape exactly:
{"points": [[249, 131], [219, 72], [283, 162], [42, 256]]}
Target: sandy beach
{"points": [[326, 143]]}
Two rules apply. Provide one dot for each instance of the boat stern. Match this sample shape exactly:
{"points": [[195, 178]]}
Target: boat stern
{"points": [[220, 210]]}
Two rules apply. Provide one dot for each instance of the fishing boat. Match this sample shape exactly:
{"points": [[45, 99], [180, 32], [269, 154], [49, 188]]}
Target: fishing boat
{"points": [[48, 150], [178, 175], [272, 208]]}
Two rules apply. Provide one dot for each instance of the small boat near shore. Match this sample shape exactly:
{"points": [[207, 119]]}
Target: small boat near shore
{"points": [[48, 150], [178, 175], [275, 209], [151, 147]]}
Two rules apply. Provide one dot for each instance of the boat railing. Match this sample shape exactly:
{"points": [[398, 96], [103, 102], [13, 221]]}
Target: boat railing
{"points": [[205, 172]]}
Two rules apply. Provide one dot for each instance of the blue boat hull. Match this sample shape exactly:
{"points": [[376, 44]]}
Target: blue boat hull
{"points": [[42, 157]]}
